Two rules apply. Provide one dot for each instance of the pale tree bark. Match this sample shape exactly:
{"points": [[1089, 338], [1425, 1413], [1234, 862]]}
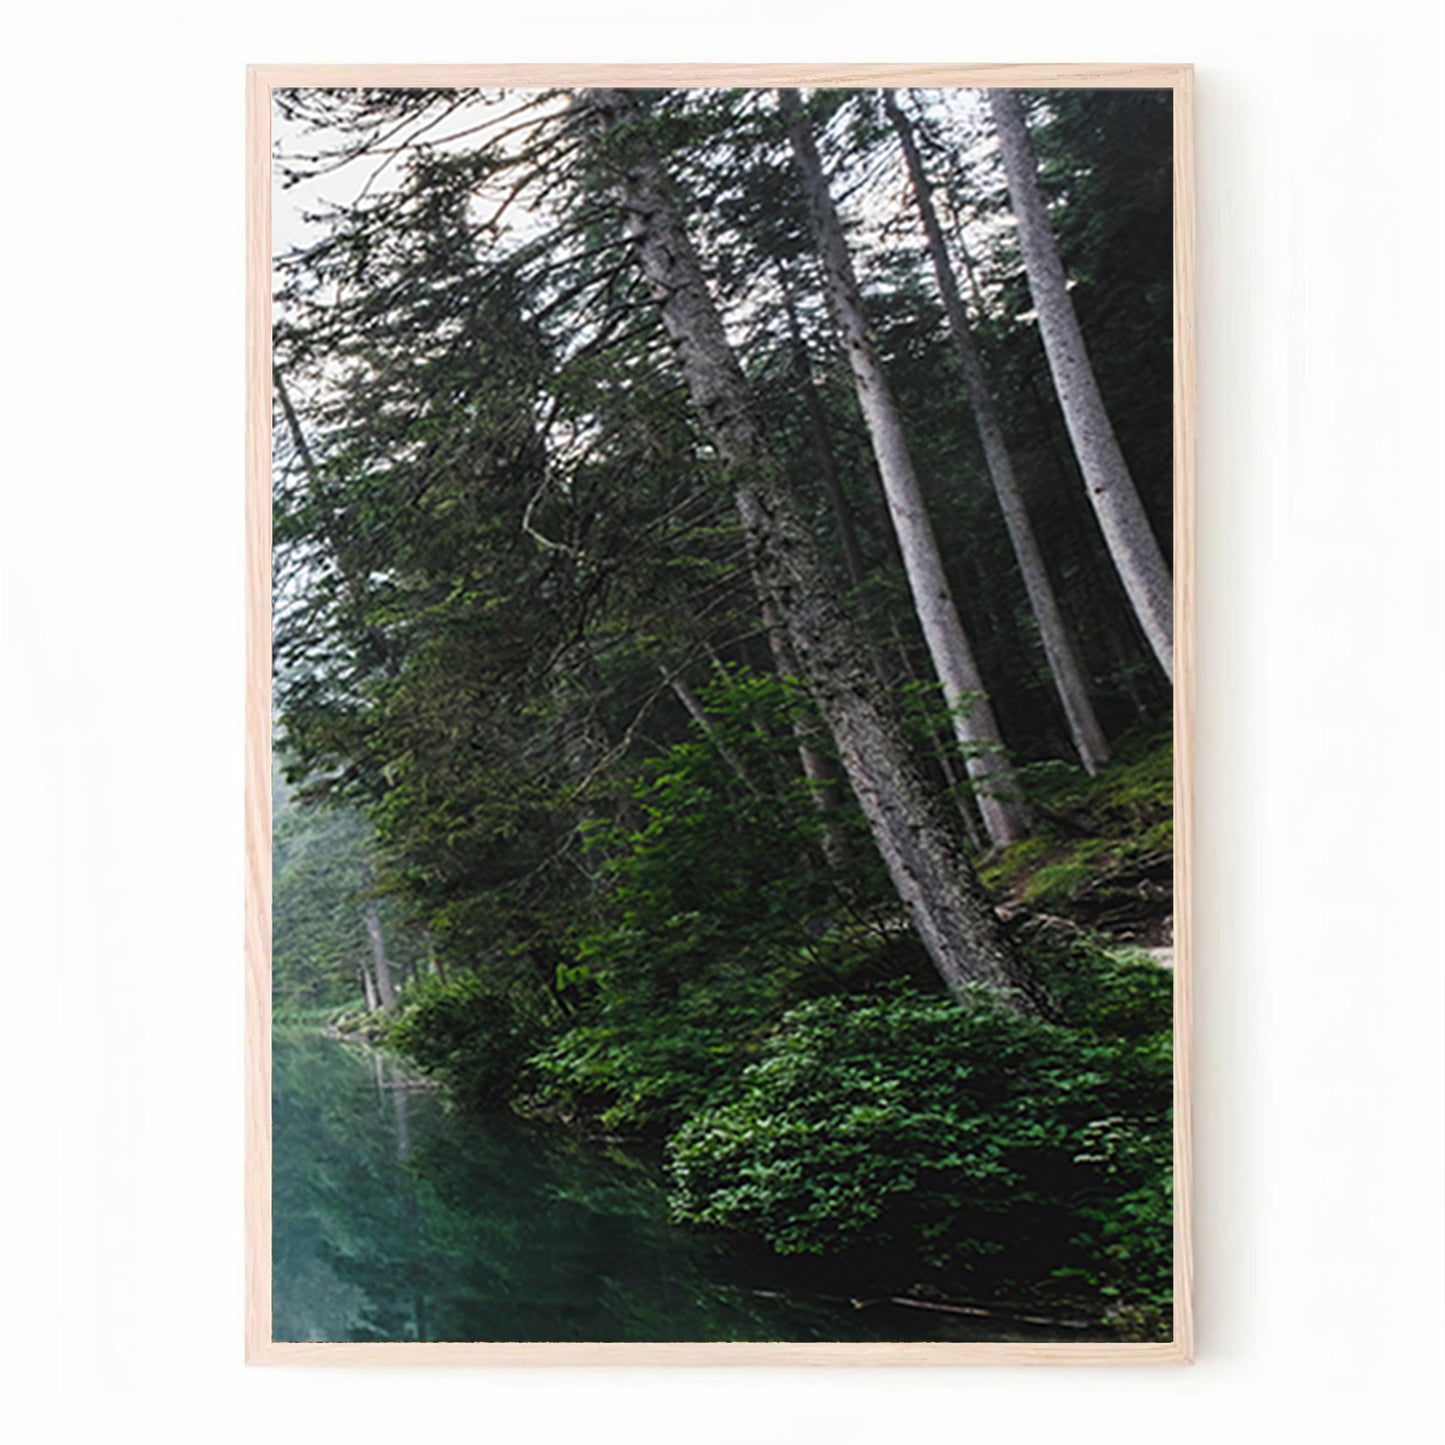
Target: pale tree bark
{"points": [[368, 989], [1070, 680], [822, 440], [385, 989], [1005, 814], [1130, 538], [919, 838]]}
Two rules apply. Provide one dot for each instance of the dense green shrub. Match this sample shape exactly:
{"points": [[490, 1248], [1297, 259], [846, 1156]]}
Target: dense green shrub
{"points": [[468, 1037], [1113, 993], [640, 1073], [722, 913], [995, 1149], [638, 1080]]}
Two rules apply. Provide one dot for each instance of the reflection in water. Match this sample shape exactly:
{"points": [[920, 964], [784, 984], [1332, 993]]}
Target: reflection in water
{"points": [[396, 1219]]}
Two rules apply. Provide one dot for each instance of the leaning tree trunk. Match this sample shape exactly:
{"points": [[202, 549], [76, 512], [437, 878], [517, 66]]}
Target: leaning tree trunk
{"points": [[919, 838], [1005, 814], [1069, 678], [1131, 540], [822, 440]]}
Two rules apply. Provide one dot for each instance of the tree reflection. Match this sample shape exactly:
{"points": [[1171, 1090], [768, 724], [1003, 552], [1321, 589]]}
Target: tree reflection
{"points": [[396, 1219]]}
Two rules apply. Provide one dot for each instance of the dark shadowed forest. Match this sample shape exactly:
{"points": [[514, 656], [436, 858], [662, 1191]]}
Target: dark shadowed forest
{"points": [[723, 660]]}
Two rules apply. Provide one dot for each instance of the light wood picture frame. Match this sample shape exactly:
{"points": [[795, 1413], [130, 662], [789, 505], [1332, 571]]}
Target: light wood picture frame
{"points": [[261, 81]]}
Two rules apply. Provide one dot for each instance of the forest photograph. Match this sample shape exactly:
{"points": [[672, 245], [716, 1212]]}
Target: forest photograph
{"points": [[723, 701]]}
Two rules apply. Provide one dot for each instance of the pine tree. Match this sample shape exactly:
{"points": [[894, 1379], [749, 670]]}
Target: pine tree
{"points": [[919, 838], [1005, 814], [1131, 540], [1068, 674]]}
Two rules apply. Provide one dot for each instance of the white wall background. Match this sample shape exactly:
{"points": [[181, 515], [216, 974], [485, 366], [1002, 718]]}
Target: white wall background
{"points": [[1320, 728]]}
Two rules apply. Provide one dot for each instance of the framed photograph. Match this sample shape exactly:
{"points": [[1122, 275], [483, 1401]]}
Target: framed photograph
{"points": [[719, 694]]}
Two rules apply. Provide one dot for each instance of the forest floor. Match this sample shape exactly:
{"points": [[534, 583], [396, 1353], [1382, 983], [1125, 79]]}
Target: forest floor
{"points": [[1103, 859]]}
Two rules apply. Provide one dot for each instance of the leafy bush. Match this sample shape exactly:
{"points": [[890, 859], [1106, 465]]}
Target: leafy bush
{"points": [[722, 913], [1117, 995], [636, 1080], [468, 1037], [638, 1073], [989, 1146]]}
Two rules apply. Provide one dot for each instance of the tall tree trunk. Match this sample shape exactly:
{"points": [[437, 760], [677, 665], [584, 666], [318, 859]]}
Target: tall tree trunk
{"points": [[385, 989], [919, 837], [1005, 814], [368, 988], [1131, 540], [823, 443], [1069, 677], [1105, 602]]}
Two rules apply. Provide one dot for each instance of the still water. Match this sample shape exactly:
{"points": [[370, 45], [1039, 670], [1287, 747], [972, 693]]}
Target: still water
{"points": [[396, 1218]]}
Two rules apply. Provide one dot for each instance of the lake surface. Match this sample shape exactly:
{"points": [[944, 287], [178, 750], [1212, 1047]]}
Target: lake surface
{"points": [[397, 1218]]}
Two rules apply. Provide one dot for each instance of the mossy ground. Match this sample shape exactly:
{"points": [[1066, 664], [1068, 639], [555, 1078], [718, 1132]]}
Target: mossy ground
{"points": [[1103, 856]]}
